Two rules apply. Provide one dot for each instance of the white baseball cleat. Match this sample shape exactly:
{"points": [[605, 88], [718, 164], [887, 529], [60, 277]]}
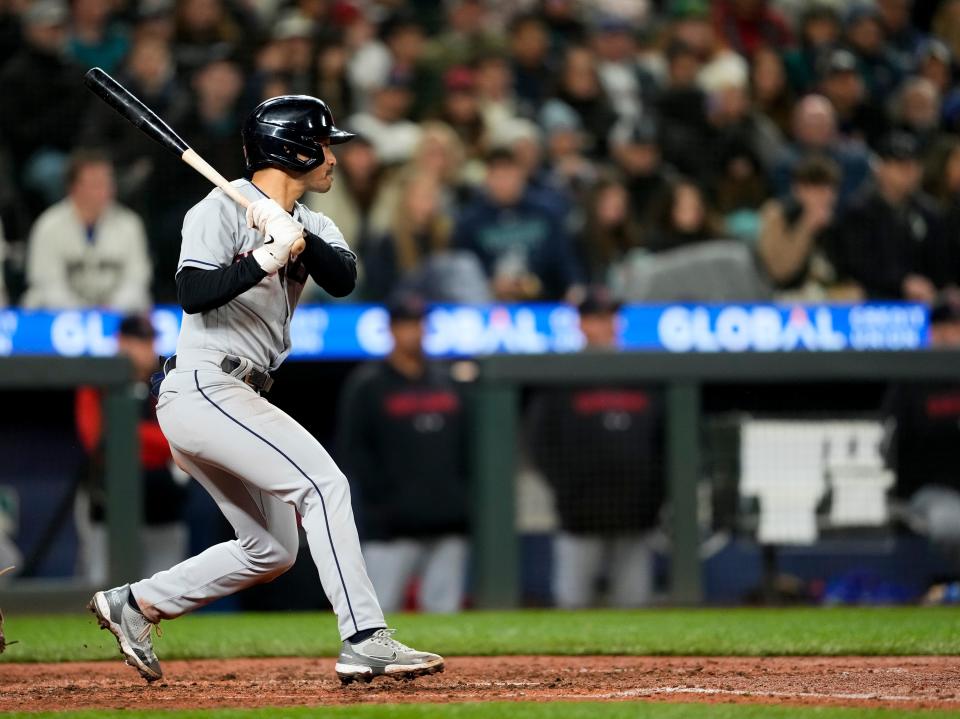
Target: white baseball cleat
{"points": [[130, 627], [381, 655]]}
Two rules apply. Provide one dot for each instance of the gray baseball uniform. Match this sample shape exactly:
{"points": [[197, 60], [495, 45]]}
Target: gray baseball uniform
{"points": [[258, 464]]}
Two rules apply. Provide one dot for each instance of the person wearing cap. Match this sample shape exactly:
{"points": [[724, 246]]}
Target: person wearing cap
{"points": [[600, 449], [858, 117], [402, 443], [294, 35], [40, 87], [387, 125], [164, 533], [889, 240], [521, 242], [818, 33], [460, 109], [88, 250], [636, 152], [923, 447], [95, 41], [881, 67]]}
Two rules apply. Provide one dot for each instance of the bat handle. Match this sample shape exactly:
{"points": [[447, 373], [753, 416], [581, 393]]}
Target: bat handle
{"points": [[208, 171]]}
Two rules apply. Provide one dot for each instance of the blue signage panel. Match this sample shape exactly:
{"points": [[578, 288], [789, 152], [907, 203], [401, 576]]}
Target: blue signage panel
{"points": [[361, 331]]}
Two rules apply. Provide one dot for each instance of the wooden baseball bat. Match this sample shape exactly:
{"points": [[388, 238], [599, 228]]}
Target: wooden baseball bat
{"points": [[144, 119]]}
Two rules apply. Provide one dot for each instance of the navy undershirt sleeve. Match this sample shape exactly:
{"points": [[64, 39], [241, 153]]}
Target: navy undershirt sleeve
{"points": [[203, 290], [333, 268]]}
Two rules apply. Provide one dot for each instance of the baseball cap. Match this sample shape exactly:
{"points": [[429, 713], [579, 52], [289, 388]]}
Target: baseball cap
{"points": [[639, 131], [292, 26], [137, 325], [840, 61], [46, 13], [406, 306], [899, 146], [598, 301], [683, 9], [459, 78], [558, 116]]}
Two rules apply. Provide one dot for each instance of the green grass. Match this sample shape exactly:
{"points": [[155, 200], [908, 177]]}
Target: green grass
{"points": [[744, 632], [492, 710]]}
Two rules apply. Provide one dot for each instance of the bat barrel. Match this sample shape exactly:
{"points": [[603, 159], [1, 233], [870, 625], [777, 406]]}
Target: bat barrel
{"points": [[130, 107]]}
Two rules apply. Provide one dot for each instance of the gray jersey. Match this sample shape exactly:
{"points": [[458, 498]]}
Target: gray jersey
{"points": [[256, 324]]}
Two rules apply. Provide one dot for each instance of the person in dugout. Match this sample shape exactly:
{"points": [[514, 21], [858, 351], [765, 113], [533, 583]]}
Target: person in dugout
{"points": [[402, 444], [164, 485], [600, 448], [922, 446]]}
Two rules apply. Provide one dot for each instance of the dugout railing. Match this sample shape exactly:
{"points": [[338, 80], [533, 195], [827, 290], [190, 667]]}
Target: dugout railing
{"points": [[497, 408], [122, 470]]}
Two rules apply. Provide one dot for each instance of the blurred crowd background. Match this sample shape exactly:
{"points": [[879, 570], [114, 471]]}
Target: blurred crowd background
{"points": [[673, 149], [589, 151]]}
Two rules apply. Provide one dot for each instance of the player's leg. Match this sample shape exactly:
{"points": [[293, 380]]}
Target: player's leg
{"points": [[576, 566], [266, 546], [232, 427], [631, 571], [444, 573], [391, 565]]}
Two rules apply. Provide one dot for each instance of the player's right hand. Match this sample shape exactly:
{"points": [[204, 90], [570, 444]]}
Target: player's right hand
{"points": [[281, 231]]}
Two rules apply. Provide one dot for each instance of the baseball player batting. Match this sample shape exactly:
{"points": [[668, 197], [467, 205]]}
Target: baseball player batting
{"points": [[238, 283]]}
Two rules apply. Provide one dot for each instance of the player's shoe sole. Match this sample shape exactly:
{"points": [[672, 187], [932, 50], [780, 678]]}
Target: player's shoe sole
{"points": [[350, 673], [101, 610]]}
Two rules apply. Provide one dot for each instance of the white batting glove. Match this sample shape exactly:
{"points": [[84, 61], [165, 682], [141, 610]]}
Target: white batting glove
{"points": [[281, 231]]}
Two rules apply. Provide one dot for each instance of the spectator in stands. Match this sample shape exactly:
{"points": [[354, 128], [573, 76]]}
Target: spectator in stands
{"points": [[942, 173], [792, 247], [946, 25], [899, 31], [922, 447], [331, 79], [858, 117], [164, 534], [406, 42], [935, 63], [468, 35], [495, 93], [630, 87], [95, 41], [916, 109], [819, 32], [815, 133], [387, 126], [402, 444], [356, 197], [204, 28], [293, 36], [693, 27], [889, 240], [636, 152], [419, 229], [600, 449], [866, 37], [610, 231], [684, 218], [86, 250], [738, 190], [520, 242], [534, 75], [44, 88], [771, 94], [580, 89], [567, 169], [748, 25], [682, 112], [461, 111]]}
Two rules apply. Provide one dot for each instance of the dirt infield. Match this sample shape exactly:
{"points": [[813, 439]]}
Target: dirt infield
{"points": [[903, 682]]}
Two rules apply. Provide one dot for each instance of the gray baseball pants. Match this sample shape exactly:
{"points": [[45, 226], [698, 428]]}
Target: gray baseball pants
{"points": [[261, 468]]}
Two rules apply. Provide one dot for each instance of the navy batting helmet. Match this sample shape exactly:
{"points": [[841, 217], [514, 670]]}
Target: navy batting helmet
{"points": [[286, 132]]}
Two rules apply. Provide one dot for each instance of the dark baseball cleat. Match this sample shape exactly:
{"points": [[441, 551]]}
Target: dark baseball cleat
{"points": [[381, 655], [130, 627]]}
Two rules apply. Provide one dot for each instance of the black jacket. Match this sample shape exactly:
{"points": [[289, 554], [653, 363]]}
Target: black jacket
{"points": [[402, 446], [878, 245], [601, 449]]}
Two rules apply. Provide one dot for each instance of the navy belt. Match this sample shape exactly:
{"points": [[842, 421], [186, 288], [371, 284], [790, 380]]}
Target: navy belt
{"points": [[260, 381]]}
